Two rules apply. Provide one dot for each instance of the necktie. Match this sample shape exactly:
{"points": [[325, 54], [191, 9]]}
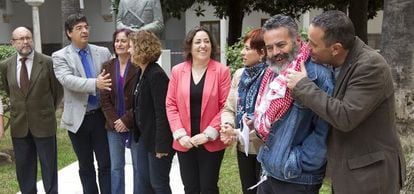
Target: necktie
{"points": [[92, 100], [24, 77]]}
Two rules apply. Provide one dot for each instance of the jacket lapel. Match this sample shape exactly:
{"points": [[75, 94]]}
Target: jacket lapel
{"points": [[347, 65], [95, 60], [13, 73], [209, 83], [75, 60], [130, 74], [36, 69], [186, 80]]}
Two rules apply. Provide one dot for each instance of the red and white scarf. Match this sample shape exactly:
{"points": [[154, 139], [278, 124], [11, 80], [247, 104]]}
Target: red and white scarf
{"points": [[274, 98]]}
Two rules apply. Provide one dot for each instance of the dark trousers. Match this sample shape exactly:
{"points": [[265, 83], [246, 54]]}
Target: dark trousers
{"points": [[153, 172], [26, 151], [274, 186], [249, 171], [92, 138], [200, 170]]}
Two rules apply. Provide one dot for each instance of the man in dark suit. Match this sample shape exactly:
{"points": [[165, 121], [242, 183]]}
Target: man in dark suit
{"points": [[364, 151], [35, 94]]}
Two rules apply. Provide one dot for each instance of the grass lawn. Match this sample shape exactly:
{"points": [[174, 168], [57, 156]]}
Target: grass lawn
{"points": [[8, 181]]}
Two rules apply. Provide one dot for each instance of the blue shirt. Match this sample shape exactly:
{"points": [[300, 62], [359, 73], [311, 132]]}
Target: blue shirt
{"points": [[93, 70]]}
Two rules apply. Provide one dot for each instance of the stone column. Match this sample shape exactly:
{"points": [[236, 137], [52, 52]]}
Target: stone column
{"points": [[36, 23]]}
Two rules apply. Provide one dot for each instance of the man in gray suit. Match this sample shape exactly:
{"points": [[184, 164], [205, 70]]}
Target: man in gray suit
{"points": [[140, 15], [77, 67], [35, 94]]}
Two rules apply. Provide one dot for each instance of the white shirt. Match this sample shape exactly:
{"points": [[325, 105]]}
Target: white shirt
{"points": [[29, 65]]}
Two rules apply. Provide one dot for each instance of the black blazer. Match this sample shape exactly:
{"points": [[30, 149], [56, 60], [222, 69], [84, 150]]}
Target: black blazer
{"points": [[151, 123]]}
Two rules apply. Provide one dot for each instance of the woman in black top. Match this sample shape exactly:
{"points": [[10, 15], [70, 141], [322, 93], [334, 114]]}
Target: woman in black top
{"points": [[152, 131]]}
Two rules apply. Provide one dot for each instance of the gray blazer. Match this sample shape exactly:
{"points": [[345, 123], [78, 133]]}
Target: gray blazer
{"points": [[140, 15], [70, 73]]}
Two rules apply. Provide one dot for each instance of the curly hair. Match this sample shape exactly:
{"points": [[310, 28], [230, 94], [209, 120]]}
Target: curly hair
{"points": [[147, 46], [188, 42]]}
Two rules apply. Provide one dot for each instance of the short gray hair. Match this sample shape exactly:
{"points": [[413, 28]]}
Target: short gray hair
{"points": [[278, 21]]}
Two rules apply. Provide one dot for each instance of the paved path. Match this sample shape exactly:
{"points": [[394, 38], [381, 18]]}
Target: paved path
{"points": [[69, 182]]}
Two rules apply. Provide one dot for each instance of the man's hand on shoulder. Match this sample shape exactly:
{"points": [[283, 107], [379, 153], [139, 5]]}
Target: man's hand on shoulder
{"points": [[293, 77]]}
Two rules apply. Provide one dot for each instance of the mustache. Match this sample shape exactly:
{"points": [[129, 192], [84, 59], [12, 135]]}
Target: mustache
{"points": [[281, 56], [20, 50]]}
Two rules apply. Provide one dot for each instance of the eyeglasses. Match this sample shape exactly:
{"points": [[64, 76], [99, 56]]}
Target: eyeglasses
{"points": [[22, 39]]}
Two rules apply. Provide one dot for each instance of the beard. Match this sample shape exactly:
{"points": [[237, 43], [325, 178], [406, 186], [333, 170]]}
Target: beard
{"points": [[280, 62], [25, 51]]}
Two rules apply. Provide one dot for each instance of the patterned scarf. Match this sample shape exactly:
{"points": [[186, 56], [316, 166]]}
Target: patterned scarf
{"points": [[247, 91], [274, 98]]}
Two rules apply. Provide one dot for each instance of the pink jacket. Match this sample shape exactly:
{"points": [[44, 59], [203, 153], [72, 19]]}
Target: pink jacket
{"points": [[216, 89]]}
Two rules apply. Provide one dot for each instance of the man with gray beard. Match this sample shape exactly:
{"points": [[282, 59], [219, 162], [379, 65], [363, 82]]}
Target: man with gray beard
{"points": [[293, 157]]}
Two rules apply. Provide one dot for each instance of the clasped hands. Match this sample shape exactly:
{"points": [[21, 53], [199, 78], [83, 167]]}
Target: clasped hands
{"points": [[195, 141], [228, 135], [119, 126]]}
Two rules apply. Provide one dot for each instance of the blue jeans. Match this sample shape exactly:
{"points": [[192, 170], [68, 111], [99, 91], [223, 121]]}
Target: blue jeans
{"points": [[117, 153], [154, 173], [274, 186]]}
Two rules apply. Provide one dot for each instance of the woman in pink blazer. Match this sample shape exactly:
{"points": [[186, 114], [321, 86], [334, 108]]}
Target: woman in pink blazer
{"points": [[195, 99]]}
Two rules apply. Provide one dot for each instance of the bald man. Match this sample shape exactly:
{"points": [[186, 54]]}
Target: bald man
{"points": [[29, 81]]}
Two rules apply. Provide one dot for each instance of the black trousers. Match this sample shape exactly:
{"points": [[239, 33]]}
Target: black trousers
{"points": [[26, 151], [200, 170], [274, 186], [89, 139], [249, 171]]}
